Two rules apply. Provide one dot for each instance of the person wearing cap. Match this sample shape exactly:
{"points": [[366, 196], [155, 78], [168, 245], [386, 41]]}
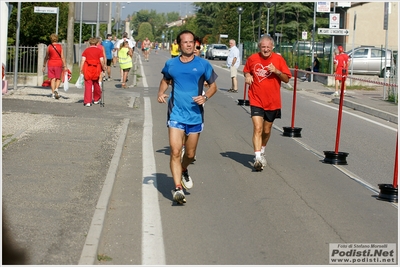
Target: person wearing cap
{"points": [[341, 63]]}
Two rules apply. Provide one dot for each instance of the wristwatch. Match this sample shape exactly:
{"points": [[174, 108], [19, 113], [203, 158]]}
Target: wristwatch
{"points": [[205, 97]]}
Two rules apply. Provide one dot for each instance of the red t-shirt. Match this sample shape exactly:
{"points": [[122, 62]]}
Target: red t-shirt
{"points": [[265, 92], [54, 59]]}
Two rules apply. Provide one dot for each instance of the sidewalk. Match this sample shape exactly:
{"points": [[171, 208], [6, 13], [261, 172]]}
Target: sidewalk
{"points": [[367, 101]]}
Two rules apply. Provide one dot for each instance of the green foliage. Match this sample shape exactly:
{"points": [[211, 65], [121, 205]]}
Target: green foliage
{"points": [[145, 30]]}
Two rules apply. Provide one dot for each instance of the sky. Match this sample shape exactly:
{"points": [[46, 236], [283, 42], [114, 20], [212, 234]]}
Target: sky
{"points": [[183, 8]]}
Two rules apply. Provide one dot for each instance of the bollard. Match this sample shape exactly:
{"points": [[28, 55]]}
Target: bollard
{"points": [[244, 102], [388, 192], [336, 157], [293, 131]]}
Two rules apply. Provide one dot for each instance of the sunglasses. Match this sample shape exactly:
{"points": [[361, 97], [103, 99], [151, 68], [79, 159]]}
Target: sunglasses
{"points": [[198, 47]]}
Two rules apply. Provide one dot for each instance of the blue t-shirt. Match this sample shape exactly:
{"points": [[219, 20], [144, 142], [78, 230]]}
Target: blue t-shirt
{"points": [[108, 47], [188, 80]]}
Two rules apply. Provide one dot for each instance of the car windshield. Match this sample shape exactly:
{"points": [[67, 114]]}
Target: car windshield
{"points": [[220, 47]]}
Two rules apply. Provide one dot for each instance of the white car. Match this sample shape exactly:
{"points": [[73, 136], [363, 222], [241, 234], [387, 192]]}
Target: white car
{"points": [[220, 51]]}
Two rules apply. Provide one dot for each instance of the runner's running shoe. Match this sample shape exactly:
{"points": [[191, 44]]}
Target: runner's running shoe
{"points": [[258, 166], [263, 160], [186, 181], [178, 196]]}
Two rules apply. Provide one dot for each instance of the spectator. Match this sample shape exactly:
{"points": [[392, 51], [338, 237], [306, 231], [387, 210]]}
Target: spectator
{"points": [[341, 64], [91, 67], [233, 63], [125, 54], [55, 64], [108, 48]]}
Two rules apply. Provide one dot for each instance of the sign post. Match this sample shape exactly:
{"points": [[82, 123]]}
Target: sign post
{"points": [[48, 10]]}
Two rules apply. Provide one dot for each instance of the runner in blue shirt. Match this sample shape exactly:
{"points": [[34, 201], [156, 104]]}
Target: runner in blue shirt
{"points": [[185, 118]]}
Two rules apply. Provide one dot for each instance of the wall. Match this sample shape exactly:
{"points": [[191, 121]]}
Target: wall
{"points": [[369, 25]]}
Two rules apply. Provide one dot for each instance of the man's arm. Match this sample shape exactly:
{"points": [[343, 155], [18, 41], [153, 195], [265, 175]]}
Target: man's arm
{"points": [[161, 96]]}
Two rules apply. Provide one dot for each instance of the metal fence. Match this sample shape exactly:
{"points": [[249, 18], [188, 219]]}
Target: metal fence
{"points": [[27, 59]]}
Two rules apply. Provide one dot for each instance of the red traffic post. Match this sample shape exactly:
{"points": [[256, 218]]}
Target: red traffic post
{"points": [[244, 102], [389, 192], [336, 157], [293, 131]]}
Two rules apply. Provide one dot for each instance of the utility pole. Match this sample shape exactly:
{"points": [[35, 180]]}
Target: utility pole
{"points": [[70, 35]]}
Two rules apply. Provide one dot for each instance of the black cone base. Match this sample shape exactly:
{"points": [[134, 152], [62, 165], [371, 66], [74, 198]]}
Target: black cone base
{"points": [[243, 102], [337, 159], [292, 132], [388, 193]]}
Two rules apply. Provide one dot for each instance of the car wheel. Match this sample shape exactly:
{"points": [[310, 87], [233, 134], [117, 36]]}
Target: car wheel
{"points": [[387, 74]]}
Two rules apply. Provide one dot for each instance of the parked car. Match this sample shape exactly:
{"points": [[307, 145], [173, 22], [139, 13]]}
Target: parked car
{"points": [[370, 60], [220, 51], [304, 48]]}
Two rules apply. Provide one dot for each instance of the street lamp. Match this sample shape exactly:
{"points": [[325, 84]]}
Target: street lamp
{"points": [[268, 5], [172, 31], [240, 11]]}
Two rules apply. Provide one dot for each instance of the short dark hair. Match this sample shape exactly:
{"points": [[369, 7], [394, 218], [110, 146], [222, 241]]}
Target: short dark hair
{"points": [[109, 35], [178, 39], [125, 35]]}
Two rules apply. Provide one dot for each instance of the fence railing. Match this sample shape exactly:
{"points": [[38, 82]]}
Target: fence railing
{"points": [[27, 59]]}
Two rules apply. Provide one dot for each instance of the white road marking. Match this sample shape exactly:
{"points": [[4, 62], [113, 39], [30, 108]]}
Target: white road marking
{"points": [[358, 116], [153, 252]]}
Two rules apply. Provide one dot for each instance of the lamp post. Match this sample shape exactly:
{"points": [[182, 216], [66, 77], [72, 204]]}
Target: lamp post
{"points": [[240, 11], [172, 32], [268, 5]]}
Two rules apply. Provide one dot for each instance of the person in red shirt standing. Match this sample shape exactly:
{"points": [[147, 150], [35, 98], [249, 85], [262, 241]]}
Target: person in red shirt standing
{"points": [[264, 71], [55, 64], [341, 63], [92, 64]]}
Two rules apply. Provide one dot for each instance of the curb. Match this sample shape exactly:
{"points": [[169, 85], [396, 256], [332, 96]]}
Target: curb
{"points": [[368, 110]]}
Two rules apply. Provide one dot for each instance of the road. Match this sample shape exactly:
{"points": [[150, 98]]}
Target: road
{"points": [[62, 157], [287, 214]]}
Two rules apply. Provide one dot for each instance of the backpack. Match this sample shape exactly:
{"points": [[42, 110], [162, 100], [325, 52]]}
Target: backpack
{"points": [[92, 69]]}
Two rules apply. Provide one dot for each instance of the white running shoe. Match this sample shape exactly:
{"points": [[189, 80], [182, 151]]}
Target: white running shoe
{"points": [[263, 160], [258, 166], [178, 196], [186, 181], [336, 93]]}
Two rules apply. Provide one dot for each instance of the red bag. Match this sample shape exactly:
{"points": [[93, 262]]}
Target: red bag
{"points": [[46, 83], [63, 75]]}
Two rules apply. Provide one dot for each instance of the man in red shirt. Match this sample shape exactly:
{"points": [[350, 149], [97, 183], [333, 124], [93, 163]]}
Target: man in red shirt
{"points": [[92, 64], [264, 72], [341, 63]]}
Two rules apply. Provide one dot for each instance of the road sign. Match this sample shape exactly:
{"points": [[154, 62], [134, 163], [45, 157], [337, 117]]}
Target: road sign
{"points": [[333, 31], [334, 20], [46, 9], [304, 35]]}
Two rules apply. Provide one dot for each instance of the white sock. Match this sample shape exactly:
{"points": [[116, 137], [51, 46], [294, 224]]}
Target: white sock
{"points": [[258, 154], [263, 150]]}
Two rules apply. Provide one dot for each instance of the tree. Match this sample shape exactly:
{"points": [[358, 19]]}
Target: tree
{"points": [[145, 30]]}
